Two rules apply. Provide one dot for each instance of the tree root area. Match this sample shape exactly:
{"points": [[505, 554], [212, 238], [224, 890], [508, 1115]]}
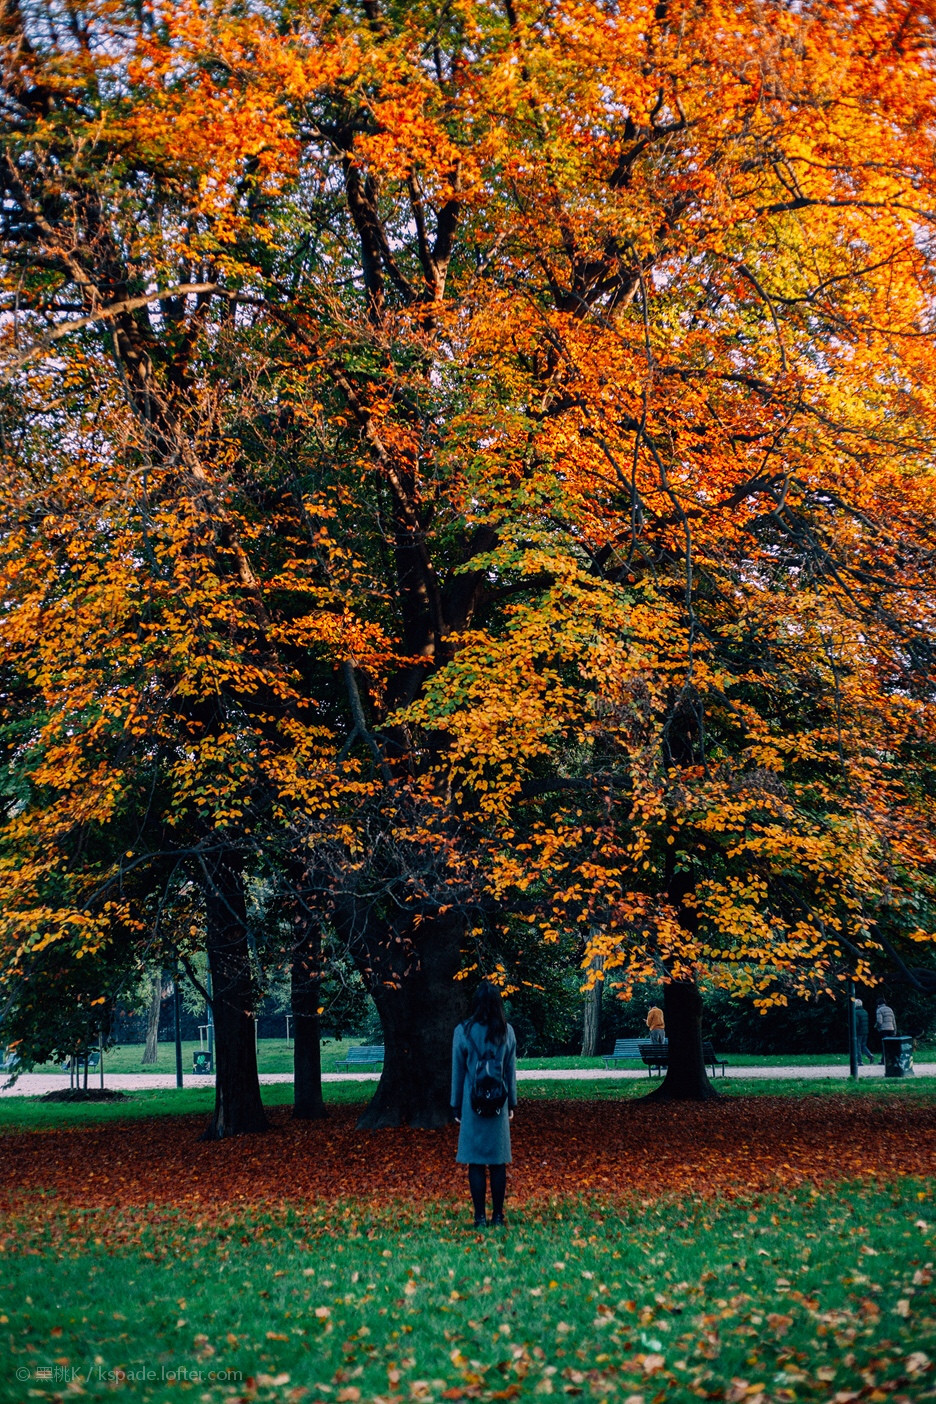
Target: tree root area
{"points": [[737, 1146]]}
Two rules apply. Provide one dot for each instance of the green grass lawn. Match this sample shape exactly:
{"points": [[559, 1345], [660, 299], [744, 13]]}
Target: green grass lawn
{"points": [[32, 1113], [806, 1297], [780, 1298], [276, 1056]]}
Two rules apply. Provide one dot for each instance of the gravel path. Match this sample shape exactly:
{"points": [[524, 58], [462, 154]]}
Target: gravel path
{"points": [[35, 1084]]}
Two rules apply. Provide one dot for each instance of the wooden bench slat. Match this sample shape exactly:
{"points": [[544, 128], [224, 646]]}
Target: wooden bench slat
{"points": [[623, 1048], [656, 1055]]}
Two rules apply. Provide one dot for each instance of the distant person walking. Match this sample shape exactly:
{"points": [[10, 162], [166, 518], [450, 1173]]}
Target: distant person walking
{"points": [[861, 1032], [885, 1022], [484, 1095], [656, 1025]]}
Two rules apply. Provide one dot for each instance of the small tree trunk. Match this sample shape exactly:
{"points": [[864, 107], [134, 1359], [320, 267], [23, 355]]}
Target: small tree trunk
{"points": [[686, 1077], [418, 1017], [238, 1104], [591, 1018], [308, 1103], [151, 1049]]}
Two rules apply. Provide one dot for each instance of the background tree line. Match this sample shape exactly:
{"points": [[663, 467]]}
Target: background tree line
{"points": [[467, 471]]}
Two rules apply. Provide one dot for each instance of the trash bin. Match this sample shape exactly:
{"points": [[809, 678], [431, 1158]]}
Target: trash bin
{"points": [[202, 1062], [898, 1055]]}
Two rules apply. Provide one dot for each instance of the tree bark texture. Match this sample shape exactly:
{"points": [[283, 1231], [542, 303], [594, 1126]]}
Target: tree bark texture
{"points": [[591, 1014], [418, 1015], [308, 1103], [151, 1049], [686, 1077], [238, 1105]]}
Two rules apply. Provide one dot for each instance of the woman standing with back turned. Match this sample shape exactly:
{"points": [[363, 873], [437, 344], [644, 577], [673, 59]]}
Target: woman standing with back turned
{"points": [[484, 1049]]}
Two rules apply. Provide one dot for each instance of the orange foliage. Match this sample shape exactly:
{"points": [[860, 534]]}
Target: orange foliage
{"points": [[520, 420]]}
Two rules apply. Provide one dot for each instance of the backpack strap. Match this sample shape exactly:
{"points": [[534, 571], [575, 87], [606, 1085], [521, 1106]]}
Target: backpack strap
{"points": [[481, 1054]]}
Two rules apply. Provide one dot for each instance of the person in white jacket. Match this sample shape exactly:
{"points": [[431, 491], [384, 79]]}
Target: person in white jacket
{"points": [[885, 1021]]}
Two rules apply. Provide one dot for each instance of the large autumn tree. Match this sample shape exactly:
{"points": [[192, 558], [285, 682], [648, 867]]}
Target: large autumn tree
{"points": [[489, 463], [715, 290], [205, 626]]}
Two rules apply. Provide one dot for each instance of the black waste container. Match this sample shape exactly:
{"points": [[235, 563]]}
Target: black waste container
{"points": [[898, 1055], [202, 1062]]}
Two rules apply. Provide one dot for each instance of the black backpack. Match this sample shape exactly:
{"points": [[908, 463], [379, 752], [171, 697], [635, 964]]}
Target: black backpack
{"points": [[488, 1089]]}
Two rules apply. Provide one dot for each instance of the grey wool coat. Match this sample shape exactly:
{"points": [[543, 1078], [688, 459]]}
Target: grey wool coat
{"points": [[482, 1140]]}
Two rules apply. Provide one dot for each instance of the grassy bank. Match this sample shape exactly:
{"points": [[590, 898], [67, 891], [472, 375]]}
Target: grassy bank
{"points": [[799, 1298], [31, 1113]]}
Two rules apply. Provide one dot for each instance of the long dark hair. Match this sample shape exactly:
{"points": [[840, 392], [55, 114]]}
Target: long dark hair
{"points": [[488, 1010]]}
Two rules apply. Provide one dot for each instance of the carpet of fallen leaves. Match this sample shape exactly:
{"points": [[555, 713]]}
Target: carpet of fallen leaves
{"points": [[734, 1147]]}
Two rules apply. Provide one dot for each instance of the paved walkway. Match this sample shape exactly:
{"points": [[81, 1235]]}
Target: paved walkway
{"points": [[35, 1084]]}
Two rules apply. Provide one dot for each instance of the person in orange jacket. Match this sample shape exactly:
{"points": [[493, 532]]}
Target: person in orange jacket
{"points": [[656, 1025]]}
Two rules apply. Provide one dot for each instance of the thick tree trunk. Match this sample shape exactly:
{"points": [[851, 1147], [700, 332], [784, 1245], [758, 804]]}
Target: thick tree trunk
{"points": [[418, 1017], [686, 1077], [308, 1103], [238, 1105], [151, 1050], [591, 1016]]}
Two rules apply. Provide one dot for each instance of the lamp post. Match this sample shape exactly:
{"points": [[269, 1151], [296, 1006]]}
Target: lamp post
{"points": [[177, 1001], [210, 1017]]}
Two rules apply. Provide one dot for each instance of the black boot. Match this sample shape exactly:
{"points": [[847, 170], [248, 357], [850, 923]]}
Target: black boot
{"points": [[498, 1190], [477, 1185]]}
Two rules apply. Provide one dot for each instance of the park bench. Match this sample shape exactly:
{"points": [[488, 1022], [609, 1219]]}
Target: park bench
{"points": [[708, 1057], [656, 1055], [92, 1058], [623, 1048], [364, 1053]]}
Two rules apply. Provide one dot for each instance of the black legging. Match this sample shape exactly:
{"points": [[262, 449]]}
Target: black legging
{"points": [[477, 1186]]}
